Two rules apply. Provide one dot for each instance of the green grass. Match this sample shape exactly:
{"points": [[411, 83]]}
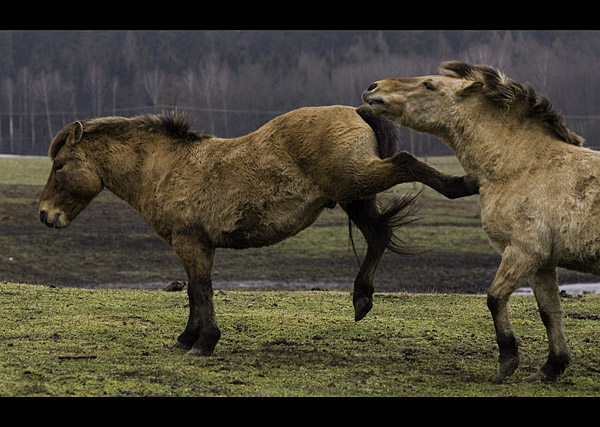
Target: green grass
{"points": [[116, 342], [24, 170]]}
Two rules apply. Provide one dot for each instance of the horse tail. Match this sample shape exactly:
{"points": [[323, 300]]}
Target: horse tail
{"points": [[380, 224]]}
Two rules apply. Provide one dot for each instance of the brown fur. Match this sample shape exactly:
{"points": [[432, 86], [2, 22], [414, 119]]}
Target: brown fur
{"points": [[200, 193], [540, 190]]}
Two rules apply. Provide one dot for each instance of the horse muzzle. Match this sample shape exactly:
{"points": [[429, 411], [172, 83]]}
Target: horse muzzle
{"points": [[53, 219]]}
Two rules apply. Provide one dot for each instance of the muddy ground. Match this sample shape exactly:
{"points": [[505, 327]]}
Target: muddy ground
{"points": [[110, 245]]}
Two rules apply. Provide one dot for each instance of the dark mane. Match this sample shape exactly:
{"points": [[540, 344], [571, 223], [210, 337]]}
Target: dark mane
{"points": [[174, 125], [507, 93]]}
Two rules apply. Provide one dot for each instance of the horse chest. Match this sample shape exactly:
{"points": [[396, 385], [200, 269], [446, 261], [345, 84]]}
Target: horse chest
{"points": [[507, 216]]}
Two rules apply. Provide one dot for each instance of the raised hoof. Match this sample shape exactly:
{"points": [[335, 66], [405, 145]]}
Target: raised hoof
{"points": [[361, 307]]}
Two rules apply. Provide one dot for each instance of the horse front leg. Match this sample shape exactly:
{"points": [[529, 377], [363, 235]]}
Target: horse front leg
{"points": [[452, 187], [201, 333], [545, 288], [511, 274]]}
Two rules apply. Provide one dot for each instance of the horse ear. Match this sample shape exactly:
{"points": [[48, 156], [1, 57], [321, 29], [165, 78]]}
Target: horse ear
{"points": [[469, 88], [76, 132]]}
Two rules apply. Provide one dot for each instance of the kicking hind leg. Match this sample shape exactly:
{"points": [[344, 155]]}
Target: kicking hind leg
{"points": [[545, 287], [406, 168], [363, 180], [452, 187]]}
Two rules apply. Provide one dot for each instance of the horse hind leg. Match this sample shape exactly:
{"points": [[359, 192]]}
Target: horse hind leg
{"points": [[380, 174], [545, 287], [377, 226]]}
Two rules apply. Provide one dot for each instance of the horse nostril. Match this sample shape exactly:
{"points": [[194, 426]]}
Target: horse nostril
{"points": [[371, 87], [43, 216]]}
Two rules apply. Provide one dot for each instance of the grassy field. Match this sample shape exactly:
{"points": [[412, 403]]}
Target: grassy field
{"points": [[116, 342]]}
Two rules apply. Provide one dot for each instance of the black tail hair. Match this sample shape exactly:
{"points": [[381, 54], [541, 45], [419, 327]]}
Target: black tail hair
{"points": [[382, 223]]}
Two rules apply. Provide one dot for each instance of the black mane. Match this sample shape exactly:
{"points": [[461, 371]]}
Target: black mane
{"points": [[173, 124]]}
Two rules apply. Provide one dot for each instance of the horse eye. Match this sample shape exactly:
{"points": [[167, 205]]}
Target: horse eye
{"points": [[58, 166], [429, 86]]}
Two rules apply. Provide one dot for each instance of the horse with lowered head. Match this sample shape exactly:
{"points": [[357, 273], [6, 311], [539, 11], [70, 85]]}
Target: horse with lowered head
{"points": [[200, 192], [539, 188]]}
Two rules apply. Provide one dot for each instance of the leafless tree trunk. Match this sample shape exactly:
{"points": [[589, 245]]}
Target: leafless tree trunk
{"points": [[115, 91], [96, 83], [45, 86], [153, 82], [211, 84], [8, 87]]}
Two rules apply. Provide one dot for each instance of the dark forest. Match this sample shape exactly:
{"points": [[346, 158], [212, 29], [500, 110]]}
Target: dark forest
{"points": [[231, 82]]}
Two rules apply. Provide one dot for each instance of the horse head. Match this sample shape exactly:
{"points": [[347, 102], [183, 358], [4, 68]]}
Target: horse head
{"points": [[73, 181], [418, 102]]}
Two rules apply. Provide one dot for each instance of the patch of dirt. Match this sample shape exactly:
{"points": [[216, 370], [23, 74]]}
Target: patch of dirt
{"points": [[583, 316]]}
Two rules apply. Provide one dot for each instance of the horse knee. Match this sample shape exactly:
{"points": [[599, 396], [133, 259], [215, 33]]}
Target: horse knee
{"points": [[494, 304]]}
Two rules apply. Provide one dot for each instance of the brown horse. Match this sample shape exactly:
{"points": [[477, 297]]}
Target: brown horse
{"points": [[200, 192], [540, 190]]}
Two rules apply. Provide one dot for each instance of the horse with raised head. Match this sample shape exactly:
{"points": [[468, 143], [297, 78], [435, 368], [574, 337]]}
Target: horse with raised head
{"points": [[539, 188], [200, 192]]}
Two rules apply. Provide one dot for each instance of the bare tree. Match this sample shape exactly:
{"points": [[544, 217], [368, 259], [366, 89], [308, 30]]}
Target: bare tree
{"points": [[497, 53], [115, 91], [8, 87], [153, 83], [96, 85], [211, 84], [45, 85], [28, 99]]}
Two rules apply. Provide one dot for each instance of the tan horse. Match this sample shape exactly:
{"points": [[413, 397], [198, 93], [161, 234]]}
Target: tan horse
{"points": [[539, 189], [200, 192]]}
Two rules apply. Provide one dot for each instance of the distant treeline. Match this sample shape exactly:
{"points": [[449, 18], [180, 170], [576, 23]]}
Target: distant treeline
{"points": [[232, 82]]}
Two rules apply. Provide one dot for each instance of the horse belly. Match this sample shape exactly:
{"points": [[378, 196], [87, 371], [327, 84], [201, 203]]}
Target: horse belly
{"points": [[270, 223], [578, 243]]}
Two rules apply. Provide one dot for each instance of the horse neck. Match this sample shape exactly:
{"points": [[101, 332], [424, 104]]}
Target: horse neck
{"points": [[491, 146], [120, 164]]}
